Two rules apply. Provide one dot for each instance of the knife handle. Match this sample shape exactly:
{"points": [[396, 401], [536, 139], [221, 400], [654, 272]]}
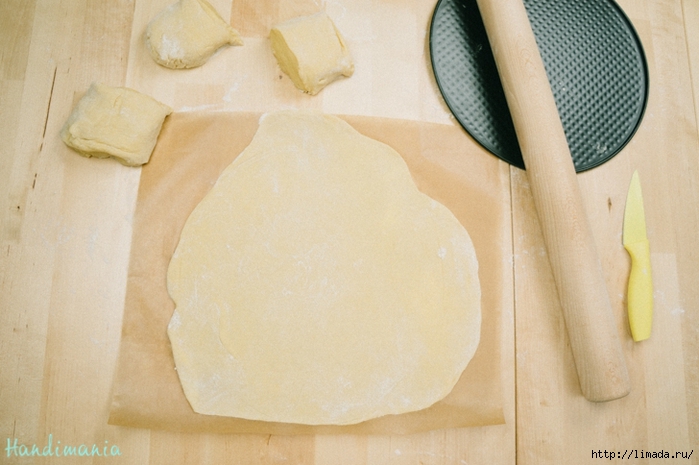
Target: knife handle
{"points": [[639, 299], [570, 246]]}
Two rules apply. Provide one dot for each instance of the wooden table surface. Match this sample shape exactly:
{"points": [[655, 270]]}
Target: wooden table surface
{"points": [[65, 235]]}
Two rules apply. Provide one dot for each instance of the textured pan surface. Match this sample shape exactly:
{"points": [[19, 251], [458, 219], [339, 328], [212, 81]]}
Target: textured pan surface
{"points": [[593, 58]]}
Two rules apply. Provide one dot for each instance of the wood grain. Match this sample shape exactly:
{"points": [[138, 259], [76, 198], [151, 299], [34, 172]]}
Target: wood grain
{"points": [[555, 416], [65, 235]]}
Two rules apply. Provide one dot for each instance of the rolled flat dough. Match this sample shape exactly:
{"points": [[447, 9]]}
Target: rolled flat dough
{"points": [[187, 33], [315, 284]]}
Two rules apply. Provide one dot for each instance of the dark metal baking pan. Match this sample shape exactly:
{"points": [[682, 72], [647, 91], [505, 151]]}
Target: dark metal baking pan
{"points": [[594, 61]]}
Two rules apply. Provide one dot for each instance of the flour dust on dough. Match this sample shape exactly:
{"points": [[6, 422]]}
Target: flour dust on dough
{"points": [[187, 33], [314, 283], [116, 122]]}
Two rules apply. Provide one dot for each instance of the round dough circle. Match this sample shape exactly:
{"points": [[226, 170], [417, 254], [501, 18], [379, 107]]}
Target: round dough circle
{"points": [[315, 284]]}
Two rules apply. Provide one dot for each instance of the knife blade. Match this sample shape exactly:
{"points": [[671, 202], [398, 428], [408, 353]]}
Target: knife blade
{"points": [[639, 299]]}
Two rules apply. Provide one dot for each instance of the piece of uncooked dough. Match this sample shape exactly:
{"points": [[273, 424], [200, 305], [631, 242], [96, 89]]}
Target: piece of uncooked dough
{"points": [[115, 122], [187, 33], [315, 284], [311, 51]]}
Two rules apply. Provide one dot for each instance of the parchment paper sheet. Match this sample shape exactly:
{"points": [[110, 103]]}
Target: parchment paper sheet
{"points": [[192, 151]]}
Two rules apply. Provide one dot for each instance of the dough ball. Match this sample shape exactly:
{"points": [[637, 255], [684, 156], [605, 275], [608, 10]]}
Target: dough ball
{"points": [[115, 122], [187, 33], [311, 51], [315, 284]]}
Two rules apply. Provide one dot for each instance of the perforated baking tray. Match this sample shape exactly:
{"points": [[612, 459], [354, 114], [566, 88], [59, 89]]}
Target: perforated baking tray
{"points": [[594, 61]]}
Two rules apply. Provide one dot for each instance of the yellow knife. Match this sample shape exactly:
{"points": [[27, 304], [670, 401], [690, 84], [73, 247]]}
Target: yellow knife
{"points": [[640, 292]]}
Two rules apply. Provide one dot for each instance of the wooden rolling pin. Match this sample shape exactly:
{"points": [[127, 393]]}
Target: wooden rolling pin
{"points": [[569, 242]]}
